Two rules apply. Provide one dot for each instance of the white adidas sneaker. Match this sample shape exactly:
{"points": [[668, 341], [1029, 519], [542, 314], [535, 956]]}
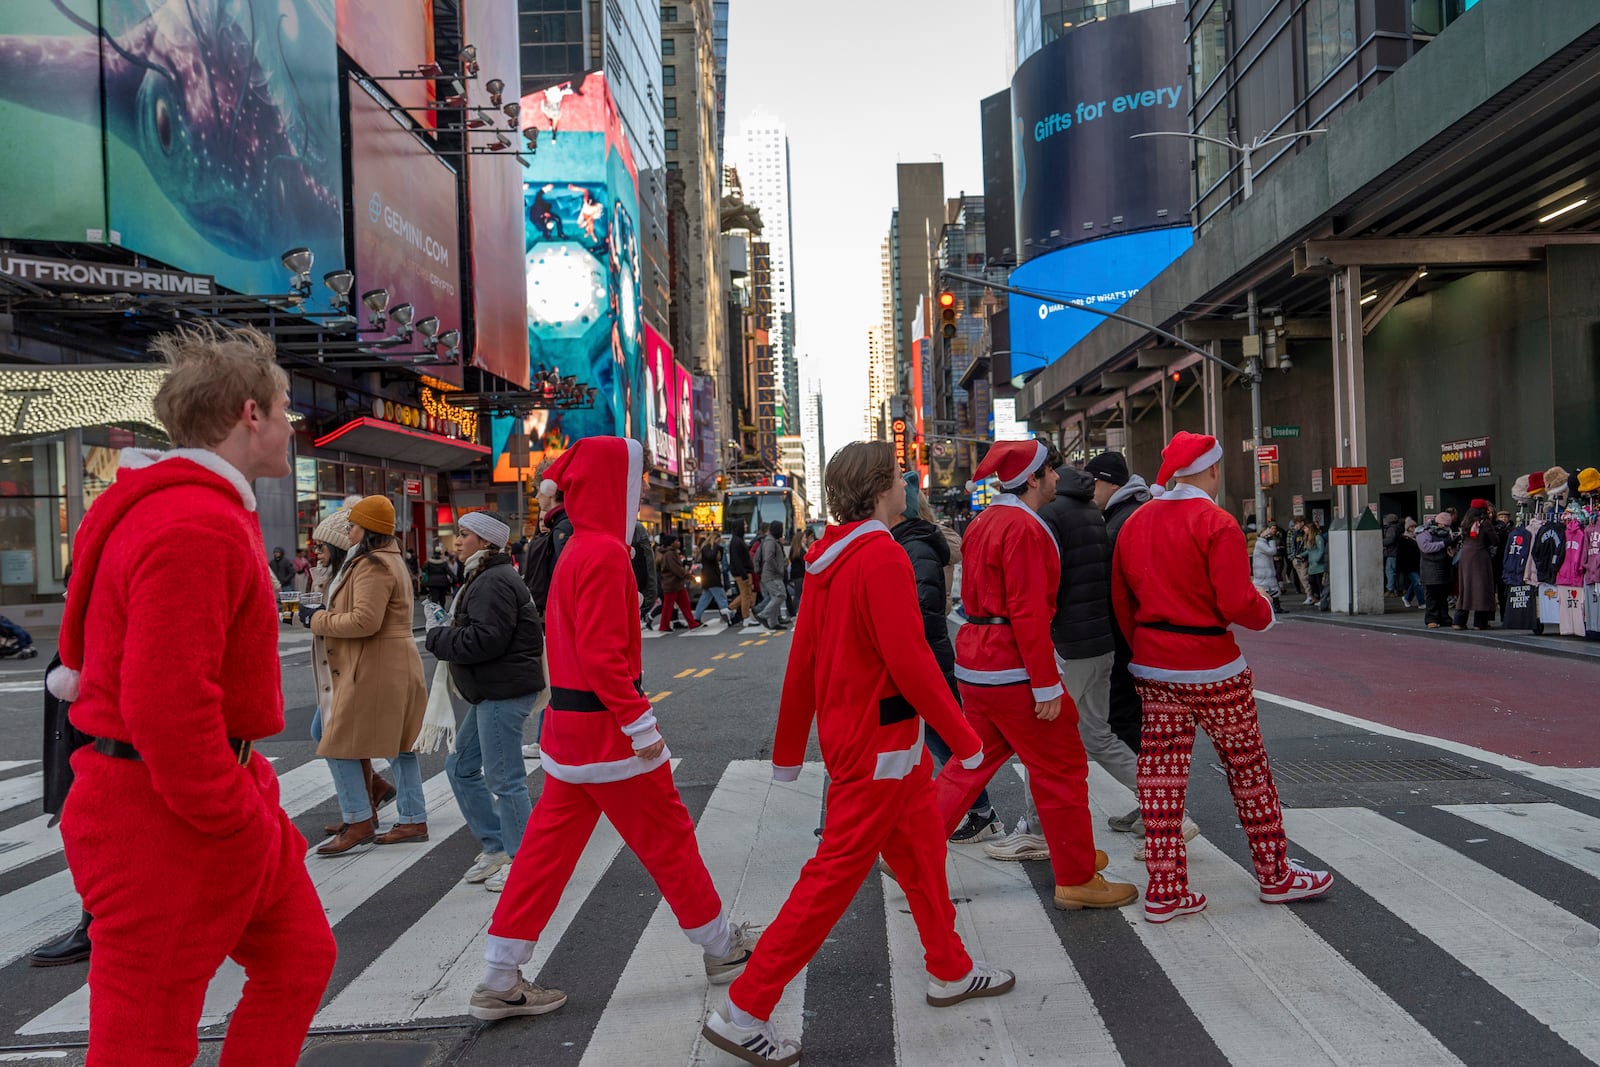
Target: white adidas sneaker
{"points": [[757, 1044], [982, 981]]}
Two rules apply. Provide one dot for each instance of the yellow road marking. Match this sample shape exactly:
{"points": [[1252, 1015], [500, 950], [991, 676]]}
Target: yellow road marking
{"points": [[684, 674], [664, 694], [735, 655], [719, 655], [762, 641], [705, 672], [743, 643]]}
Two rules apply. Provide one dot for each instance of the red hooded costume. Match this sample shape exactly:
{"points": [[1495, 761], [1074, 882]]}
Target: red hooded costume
{"points": [[861, 667], [598, 719], [177, 843]]}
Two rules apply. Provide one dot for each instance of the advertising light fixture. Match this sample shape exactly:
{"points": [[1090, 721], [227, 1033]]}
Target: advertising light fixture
{"points": [[298, 260], [340, 282], [428, 327], [402, 314], [376, 301]]}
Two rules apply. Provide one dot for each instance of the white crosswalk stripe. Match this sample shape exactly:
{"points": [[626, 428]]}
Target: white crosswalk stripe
{"points": [[1261, 981]]}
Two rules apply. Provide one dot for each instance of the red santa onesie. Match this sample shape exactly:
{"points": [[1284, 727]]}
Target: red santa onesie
{"points": [[861, 668], [173, 830], [1005, 663], [1180, 578], [597, 724]]}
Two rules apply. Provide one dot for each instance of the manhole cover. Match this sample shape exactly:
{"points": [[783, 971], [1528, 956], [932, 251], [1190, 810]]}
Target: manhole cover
{"points": [[1333, 772]]}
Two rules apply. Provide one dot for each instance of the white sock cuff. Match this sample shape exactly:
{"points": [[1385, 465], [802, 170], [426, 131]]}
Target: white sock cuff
{"points": [[715, 937], [512, 952], [739, 1017]]}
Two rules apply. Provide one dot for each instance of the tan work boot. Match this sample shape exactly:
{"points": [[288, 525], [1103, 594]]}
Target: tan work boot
{"points": [[1096, 893]]}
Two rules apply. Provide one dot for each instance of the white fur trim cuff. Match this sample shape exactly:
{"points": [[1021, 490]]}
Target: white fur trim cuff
{"points": [[1212, 457], [972, 763], [1049, 692], [785, 774], [646, 739], [1039, 454], [64, 683]]}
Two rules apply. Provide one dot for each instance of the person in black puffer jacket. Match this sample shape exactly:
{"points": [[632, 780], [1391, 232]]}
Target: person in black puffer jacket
{"points": [[495, 648], [1082, 627], [925, 543], [1119, 494]]}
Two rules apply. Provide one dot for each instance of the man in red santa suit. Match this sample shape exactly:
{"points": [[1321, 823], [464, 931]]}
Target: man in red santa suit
{"points": [[1006, 665], [1180, 578], [600, 749], [173, 830], [862, 668]]}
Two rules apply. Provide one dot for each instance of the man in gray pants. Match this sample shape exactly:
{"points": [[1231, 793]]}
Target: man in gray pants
{"points": [[1082, 634]]}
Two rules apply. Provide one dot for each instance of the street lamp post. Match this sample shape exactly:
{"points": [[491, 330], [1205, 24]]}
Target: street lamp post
{"points": [[1244, 150]]}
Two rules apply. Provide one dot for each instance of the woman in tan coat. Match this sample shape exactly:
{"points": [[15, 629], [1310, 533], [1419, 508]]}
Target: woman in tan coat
{"points": [[378, 698]]}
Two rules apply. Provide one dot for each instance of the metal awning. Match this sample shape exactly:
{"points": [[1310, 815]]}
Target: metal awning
{"points": [[374, 437]]}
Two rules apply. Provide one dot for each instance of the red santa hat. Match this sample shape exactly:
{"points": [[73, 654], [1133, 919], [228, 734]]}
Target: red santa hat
{"points": [[1013, 462], [1187, 453]]}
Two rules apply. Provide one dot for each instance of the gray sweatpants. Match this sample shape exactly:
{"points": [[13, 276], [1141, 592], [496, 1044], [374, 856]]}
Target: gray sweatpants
{"points": [[1088, 683]]}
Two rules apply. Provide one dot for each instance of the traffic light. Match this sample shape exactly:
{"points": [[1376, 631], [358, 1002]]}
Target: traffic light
{"points": [[947, 315], [1176, 377]]}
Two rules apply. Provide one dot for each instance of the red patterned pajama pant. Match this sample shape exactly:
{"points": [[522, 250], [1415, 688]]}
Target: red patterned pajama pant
{"points": [[1226, 710]]}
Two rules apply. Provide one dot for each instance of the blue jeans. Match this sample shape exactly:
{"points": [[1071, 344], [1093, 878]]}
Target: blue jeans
{"points": [[355, 804], [1411, 587], [487, 767], [1388, 574], [712, 595]]}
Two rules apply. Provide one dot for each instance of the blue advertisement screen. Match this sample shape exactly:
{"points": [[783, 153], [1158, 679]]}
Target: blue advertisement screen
{"points": [[1104, 274]]}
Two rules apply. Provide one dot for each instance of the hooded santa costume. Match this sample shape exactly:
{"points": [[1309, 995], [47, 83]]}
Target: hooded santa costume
{"points": [[597, 723], [861, 667], [173, 830], [1006, 666], [1180, 577]]}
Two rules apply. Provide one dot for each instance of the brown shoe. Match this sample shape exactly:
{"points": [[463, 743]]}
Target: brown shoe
{"points": [[382, 791], [334, 829], [403, 831], [1100, 861], [356, 833], [1095, 893]]}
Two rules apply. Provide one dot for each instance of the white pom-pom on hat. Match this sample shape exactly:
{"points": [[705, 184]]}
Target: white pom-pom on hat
{"points": [[64, 683], [1158, 490]]}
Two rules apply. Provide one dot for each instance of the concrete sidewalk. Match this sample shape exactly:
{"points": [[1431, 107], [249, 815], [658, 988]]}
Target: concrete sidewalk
{"points": [[1402, 620]]}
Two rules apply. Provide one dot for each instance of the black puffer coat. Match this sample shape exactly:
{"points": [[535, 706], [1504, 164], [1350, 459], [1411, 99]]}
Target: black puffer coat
{"points": [[1081, 628], [495, 645], [930, 552]]}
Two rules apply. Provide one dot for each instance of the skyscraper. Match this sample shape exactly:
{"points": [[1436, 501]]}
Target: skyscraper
{"points": [[811, 435], [880, 349], [913, 233], [762, 155]]}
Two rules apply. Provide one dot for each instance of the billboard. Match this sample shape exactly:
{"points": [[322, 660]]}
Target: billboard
{"points": [[661, 401], [1076, 105], [1103, 274], [581, 266], [707, 453], [683, 423], [50, 146], [405, 230], [384, 37], [494, 206], [220, 131], [999, 185]]}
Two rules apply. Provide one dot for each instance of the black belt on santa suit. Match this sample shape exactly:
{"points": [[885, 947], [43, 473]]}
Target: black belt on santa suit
{"points": [[1192, 631], [988, 620], [564, 699], [122, 750]]}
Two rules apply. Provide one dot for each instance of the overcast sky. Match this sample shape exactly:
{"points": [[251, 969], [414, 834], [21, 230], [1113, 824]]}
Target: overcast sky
{"points": [[862, 85]]}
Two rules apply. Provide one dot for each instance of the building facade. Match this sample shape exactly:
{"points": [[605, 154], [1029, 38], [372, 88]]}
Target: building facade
{"points": [[913, 231], [1035, 23], [762, 151]]}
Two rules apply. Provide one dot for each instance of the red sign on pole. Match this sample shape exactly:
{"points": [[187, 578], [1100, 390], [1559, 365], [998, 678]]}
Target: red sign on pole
{"points": [[1266, 453], [1349, 476]]}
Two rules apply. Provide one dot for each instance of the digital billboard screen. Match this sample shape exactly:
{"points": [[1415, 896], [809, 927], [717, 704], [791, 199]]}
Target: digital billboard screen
{"points": [[661, 401], [582, 270], [50, 151], [683, 423], [1076, 105], [494, 205], [999, 186], [707, 454], [405, 229], [1104, 274], [384, 37]]}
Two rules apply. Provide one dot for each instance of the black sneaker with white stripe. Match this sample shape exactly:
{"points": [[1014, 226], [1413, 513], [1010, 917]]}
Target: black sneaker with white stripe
{"points": [[757, 1044], [984, 981]]}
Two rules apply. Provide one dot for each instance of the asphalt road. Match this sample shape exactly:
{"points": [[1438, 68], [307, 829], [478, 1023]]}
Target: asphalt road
{"points": [[1465, 925]]}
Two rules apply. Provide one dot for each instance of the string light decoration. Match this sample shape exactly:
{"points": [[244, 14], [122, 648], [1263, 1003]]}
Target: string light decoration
{"points": [[440, 408], [36, 401]]}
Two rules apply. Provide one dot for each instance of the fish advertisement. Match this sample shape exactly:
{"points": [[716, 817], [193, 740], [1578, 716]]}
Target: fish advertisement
{"points": [[50, 122], [220, 129], [581, 265], [407, 235]]}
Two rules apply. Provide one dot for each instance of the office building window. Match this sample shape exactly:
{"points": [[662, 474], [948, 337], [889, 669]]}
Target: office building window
{"points": [[1330, 37], [672, 164], [672, 140], [669, 46], [669, 74], [669, 13], [669, 108], [1208, 48]]}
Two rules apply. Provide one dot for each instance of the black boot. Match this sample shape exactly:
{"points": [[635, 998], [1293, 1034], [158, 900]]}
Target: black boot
{"points": [[72, 948]]}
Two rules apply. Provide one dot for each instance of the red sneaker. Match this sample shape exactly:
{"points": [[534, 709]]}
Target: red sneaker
{"points": [[1163, 911], [1299, 883]]}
